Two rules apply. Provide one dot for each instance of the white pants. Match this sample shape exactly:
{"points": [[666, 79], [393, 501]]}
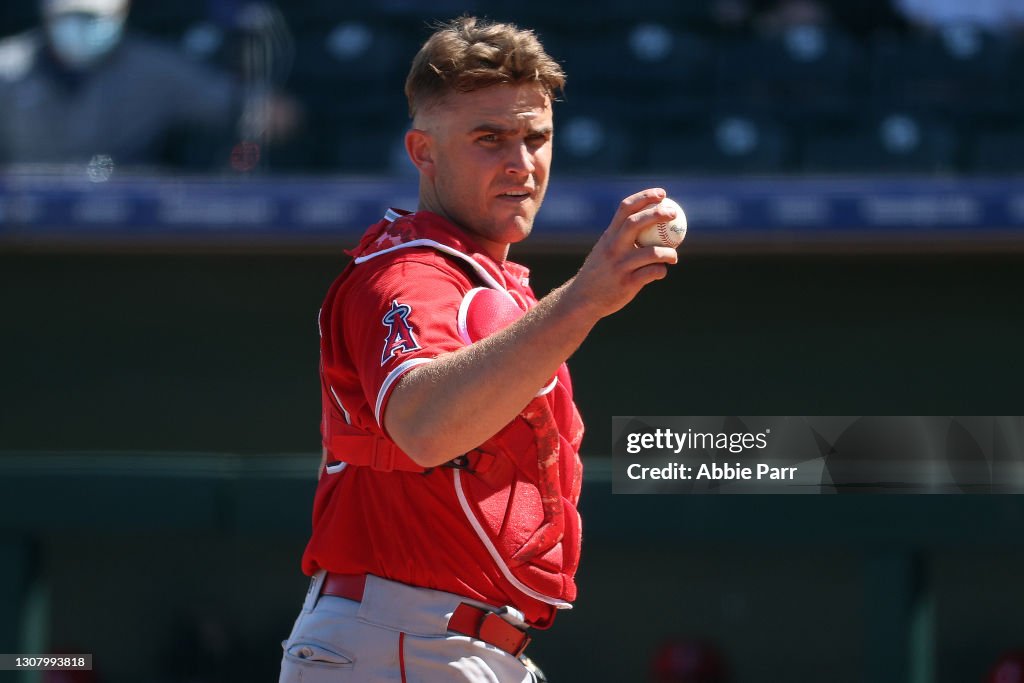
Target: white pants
{"points": [[397, 633]]}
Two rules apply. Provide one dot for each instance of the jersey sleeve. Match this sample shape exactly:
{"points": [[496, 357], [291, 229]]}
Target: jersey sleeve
{"points": [[397, 317]]}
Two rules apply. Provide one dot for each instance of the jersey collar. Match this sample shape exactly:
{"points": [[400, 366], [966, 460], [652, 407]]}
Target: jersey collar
{"points": [[403, 229]]}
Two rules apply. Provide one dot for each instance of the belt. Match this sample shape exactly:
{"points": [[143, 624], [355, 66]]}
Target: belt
{"points": [[467, 620]]}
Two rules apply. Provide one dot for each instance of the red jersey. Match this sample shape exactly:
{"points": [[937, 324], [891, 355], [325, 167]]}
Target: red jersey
{"points": [[497, 525]]}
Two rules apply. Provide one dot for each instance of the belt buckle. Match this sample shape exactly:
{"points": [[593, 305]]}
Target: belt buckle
{"points": [[513, 616]]}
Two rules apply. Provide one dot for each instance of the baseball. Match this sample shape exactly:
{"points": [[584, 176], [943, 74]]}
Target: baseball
{"points": [[668, 234]]}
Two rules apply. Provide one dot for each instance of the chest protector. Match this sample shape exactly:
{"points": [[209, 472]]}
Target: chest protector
{"points": [[519, 489]]}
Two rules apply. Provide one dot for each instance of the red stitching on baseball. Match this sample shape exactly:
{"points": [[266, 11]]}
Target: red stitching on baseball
{"points": [[663, 232]]}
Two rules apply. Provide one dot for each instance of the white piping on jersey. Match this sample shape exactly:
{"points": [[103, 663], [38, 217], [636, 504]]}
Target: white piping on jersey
{"points": [[464, 313], [391, 378], [463, 327], [335, 468], [423, 242], [498, 560], [337, 402], [549, 388]]}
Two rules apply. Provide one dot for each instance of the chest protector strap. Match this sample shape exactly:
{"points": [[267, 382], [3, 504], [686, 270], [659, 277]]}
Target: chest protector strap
{"points": [[373, 451]]}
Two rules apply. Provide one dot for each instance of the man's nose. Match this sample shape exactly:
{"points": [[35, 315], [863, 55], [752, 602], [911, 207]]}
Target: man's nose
{"points": [[520, 160]]}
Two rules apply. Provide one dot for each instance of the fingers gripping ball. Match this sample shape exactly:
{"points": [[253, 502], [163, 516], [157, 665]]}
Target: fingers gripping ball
{"points": [[668, 234]]}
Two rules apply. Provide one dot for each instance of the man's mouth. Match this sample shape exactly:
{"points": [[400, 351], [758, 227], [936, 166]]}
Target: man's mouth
{"points": [[516, 194]]}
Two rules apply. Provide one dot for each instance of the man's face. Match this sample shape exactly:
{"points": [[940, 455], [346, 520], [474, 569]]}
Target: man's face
{"points": [[490, 153], [82, 37]]}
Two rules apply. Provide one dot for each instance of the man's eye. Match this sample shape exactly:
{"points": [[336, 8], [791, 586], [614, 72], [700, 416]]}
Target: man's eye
{"points": [[490, 137]]}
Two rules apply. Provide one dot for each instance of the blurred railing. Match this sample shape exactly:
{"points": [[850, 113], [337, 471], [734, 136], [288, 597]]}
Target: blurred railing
{"points": [[62, 210]]}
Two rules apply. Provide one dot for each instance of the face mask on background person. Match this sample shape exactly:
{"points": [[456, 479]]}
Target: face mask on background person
{"points": [[80, 39]]}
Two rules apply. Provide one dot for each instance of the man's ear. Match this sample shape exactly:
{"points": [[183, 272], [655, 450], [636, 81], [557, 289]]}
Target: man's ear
{"points": [[419, 145]]}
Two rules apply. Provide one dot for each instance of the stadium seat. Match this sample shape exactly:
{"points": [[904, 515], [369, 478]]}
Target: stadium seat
{"points": [[680, 15], [544, 16], [658, 73], [1015, 81], [997, 152], [310, 14], [893, 142], [353, 52], [593, 143], [353, 68], [255, 43], [805, 71], [168, 20], [961, 71], [727, 143], [372, 149]]}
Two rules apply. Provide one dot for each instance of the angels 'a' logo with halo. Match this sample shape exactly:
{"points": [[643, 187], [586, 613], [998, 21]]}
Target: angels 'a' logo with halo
{"points": [[400, 337]]}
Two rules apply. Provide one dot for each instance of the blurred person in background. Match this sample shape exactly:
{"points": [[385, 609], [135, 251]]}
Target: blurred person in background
{"points": [[82, 87], [778, 16], [995, 16], [687, 660], [1009, 668], [69, 677]]}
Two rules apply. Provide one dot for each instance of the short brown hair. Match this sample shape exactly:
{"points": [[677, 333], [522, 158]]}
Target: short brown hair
{"points": [[469, 54]]}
